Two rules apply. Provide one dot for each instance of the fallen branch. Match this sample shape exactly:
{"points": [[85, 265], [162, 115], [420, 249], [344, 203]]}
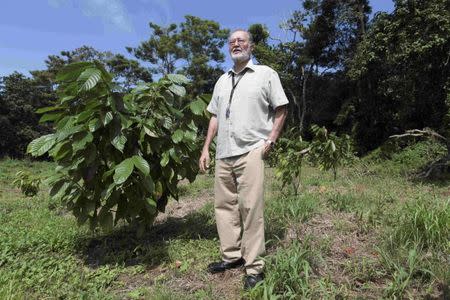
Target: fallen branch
{"points": [[440, 166], [417, 132]]}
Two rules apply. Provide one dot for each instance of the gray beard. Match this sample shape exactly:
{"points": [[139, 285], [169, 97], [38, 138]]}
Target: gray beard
{"points": [[244, 56]]}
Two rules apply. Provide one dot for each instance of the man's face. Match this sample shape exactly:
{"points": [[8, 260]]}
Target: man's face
{"points": [[239, 46]]}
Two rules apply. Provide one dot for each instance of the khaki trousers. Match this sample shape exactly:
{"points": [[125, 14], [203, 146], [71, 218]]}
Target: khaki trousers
{"points": [[239, 206]]}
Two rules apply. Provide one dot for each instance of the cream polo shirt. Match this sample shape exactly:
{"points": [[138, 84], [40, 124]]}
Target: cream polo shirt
{"points": [[252, 109]]}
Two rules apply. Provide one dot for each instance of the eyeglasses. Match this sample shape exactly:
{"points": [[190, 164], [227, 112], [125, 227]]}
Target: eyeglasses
{"points": [[239, 41]]}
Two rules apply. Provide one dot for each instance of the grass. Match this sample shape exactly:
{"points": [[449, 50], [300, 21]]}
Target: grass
{"points": [[375, 232]]}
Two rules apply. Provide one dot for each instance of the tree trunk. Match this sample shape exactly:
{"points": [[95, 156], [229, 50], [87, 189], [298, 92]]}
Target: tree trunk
{"points": [[296, 103], [448, 148], [303, 100], [362, 23], [305, 76]]}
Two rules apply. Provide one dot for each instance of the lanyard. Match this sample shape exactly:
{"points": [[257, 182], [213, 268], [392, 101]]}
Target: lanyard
{"points": [[234, 85]]}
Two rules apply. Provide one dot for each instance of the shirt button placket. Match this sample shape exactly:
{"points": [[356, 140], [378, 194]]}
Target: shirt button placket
{"points": [[229, 137]]}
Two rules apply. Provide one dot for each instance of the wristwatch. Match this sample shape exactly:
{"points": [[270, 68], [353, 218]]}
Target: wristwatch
{"points": [[270, 142]]}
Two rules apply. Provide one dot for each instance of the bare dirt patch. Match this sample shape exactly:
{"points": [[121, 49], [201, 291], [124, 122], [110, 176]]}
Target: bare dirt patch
{"points": [[225, 285], [221, 286], [185, 206]]}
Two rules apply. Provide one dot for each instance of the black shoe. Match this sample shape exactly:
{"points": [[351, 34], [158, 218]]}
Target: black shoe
{"points": [[252, 280], [217, 267]]}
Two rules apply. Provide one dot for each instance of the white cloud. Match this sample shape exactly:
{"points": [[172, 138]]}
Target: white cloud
{"points": [[160, 12], [112, 12], [57, 3]]}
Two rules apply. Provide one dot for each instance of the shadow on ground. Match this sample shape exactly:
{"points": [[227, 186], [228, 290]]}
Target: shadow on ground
{"points": [[123, 247]]}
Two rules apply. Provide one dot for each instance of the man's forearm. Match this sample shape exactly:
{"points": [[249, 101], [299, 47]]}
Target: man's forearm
{"points": [[212, 130], [280, 117]]}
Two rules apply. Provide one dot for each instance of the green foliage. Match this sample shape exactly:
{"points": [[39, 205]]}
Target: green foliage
{"points": [[260, 34], [119, 156], [202, 41], [19, 98], [127, 72], [27, 184], [422, 224], [402, 275], [329, 151], [324, 34], [289, 155], [44, 254], [191, 48], [291, 209], [37, 258], [288, 274], [401, 71], [326, 150], [405, 157]]}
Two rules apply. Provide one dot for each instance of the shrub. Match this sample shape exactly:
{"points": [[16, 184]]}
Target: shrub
{"points": [[27, 184], [119, 156]]}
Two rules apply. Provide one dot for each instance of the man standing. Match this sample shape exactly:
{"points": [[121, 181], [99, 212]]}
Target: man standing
{"points": [[248, 110]]}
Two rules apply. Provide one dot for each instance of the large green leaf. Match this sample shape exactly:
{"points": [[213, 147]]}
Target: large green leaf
{"points": [[108, 118], [165, 159], [119, 142], [190, 136], [174, 155], [94, 124], [123, 170], [79, 144], [333, 146], [50, 117], [167, 123], [69, 131], [72, 71], [41, 145], [178, 78], [83, 116], [206, 97], [141, 164], [67, 99], [47, 109], [56, 187], [89, 78], [177, 90], [148, 131], [106, 76], [63, 152], [177, 136], [197, 107]]}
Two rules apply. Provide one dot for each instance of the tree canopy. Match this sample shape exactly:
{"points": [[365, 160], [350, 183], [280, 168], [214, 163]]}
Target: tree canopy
{"points": [[369, 78]]}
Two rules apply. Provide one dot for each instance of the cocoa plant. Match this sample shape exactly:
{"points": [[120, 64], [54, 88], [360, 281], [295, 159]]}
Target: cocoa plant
{"points": [[119, 156]]}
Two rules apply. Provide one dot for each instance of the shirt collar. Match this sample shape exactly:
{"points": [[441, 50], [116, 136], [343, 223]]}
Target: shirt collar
{"points": [[250, 65]]}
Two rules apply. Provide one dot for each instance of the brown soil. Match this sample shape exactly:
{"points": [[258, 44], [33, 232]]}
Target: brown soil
{"points": [[222, 286], [185, 206]]}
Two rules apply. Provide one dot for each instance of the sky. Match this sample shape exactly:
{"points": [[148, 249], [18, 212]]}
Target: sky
{"points": [[30, 30]]}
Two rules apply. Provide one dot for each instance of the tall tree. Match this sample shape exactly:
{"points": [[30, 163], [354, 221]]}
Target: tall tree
{"points": [[192, 47], [403, 64], [162, 49], [19, 98], [127, 72], [203, 41], [324, 37]]}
